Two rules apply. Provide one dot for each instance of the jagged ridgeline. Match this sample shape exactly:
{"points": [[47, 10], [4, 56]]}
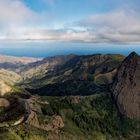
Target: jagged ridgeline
{"points": [[92, 97]]}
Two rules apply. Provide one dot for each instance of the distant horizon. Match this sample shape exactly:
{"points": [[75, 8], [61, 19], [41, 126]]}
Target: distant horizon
{"points": [[39, 57], [52, 48]]}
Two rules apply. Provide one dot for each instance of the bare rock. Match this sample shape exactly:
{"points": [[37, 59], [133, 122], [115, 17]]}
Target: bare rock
{"points": [[33, 119], [126, 87], [57, 122]]}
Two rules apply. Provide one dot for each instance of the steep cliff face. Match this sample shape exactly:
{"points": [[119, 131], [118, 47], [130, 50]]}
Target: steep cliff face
{"points": [[126, 87]]}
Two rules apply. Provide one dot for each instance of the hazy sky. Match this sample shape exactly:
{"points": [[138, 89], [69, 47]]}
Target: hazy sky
{"points": [[96, 21]]}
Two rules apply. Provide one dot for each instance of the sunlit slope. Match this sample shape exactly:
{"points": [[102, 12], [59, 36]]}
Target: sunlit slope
{"points": [[8, 79]]}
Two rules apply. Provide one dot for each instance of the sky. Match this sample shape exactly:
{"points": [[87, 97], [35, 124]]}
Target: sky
{"points": [[51, 27], [87, 21]]}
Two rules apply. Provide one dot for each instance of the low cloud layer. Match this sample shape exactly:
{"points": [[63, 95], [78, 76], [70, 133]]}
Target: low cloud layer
{"points": [[17, 21]]}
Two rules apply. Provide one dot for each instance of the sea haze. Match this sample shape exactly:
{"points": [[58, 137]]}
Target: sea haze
{"points": [[52, 48]]}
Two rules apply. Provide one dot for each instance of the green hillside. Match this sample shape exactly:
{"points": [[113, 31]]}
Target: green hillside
{"points": [[92, 117]]}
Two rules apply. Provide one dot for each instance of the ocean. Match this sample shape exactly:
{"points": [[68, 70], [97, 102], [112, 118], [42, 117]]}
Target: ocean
{"points": [[52, 48]]}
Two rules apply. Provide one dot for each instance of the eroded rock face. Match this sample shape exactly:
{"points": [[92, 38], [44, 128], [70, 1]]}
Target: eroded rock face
{"points": [[32, 117], [55, 123], [126, 87]]}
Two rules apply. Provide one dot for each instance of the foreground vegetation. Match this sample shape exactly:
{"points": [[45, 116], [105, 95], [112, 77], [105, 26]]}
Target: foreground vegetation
{"points": [[92, 117]]}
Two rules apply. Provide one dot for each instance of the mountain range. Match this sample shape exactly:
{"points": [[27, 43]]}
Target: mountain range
{"points": [[71, 97]]}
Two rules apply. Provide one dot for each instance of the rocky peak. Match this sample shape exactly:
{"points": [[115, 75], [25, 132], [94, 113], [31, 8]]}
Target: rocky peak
{"points": [[126, 86], [133, 54], [133, 58]]}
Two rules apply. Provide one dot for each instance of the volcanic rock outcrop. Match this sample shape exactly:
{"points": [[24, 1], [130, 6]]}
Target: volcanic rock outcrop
{"points": [[126, 86]]}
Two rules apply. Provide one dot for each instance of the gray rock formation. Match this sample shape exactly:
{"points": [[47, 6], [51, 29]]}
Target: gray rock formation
{"points": [[126, 86]]}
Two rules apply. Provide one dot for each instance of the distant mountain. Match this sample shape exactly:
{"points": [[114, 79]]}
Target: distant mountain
{"points": [[93, 70], [126, 87], [49, 75], [15, 60], [40, 68], [14, 63]]}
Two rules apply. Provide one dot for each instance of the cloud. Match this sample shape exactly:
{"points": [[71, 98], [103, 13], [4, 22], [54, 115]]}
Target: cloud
{"points": [[114, 27], [17, 21], [120, 26], [52, 34], [14, 14], [14, 11]]}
